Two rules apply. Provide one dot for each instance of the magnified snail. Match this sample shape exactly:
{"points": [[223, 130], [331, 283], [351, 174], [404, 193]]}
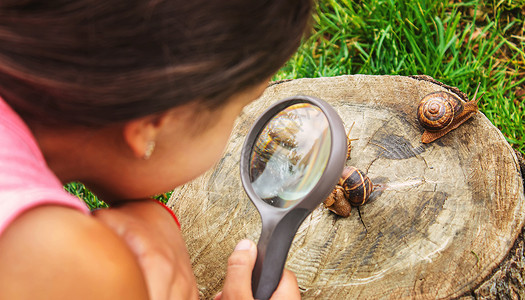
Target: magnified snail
{"points": [[441, 112], [353, 189]]}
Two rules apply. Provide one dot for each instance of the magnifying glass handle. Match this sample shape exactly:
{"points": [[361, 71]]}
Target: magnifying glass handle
{"points": [[272, 251]]}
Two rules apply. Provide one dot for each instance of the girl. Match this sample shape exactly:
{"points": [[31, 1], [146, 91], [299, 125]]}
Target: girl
{"points": [[132, 98]]}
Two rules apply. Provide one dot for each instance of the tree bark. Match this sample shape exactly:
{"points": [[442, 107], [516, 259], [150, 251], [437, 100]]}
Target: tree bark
{"points": [[445, 222]]}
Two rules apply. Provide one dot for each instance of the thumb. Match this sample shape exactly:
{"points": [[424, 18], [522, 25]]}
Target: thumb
{"points": [[238, 282]]}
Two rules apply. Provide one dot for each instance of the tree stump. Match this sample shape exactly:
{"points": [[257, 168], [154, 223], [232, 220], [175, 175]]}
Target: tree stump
{"points": [[445, 224]]}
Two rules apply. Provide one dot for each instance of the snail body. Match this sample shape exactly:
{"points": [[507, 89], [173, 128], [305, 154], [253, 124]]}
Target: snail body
{"points": [[353, 189], [441, 112]]}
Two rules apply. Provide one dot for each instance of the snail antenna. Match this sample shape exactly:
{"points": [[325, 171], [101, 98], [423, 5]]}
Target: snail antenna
{"points": [[349, 141], [476, 92], [348, 134]]}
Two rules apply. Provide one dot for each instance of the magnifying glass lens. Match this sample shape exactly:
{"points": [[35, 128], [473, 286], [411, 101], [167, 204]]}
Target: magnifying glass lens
{"points": [[290, 154]]}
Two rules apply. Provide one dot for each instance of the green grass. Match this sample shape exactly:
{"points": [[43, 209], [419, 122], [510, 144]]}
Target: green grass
{"points": [[93, 202], [457, 43], [79, 190]]}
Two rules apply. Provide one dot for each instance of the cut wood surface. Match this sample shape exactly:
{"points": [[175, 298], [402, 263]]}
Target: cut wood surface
{"points": [[445, 219]]}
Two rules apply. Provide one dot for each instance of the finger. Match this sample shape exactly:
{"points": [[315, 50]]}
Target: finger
{"points": [[238, 282], [287, 288], [218, 296]]}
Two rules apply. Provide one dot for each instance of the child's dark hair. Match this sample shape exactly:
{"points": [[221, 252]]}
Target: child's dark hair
{"points": [[95, 62]]}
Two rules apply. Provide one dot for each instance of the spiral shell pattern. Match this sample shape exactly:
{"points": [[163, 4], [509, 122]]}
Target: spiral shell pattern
{"points": [[435, 111]]}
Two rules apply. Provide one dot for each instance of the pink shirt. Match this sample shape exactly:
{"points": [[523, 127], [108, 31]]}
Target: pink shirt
{"points": [[25, 179]]}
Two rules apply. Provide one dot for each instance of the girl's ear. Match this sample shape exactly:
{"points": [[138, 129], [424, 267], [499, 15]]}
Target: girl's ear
{"points": [[141, 134]]}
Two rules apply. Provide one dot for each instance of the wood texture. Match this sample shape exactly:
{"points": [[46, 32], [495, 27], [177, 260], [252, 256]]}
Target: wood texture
{"points": [[446, 217]]}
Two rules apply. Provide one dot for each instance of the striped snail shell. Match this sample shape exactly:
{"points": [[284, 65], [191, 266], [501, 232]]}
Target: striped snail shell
{"points": [[354, 188], [357, 186]]}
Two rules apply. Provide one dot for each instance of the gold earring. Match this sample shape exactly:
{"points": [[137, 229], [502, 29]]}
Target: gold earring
{"points": [[149, 149]]}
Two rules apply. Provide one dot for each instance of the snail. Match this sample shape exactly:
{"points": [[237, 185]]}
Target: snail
{"points": [[353, 189], [348, 186], [441, 112]]}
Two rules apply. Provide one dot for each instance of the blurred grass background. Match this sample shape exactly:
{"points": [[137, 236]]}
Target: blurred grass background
{"points": [[460, 43]]}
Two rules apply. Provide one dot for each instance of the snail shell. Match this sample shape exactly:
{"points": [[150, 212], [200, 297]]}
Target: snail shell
{"points": [[441, 112], [357, 186], [436, 110], [354, 188]]}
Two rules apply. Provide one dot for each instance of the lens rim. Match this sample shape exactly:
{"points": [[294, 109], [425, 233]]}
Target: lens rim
{"points": [[334, 164]]}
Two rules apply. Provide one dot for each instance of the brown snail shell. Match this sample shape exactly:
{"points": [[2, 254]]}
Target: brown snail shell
{"points": [[436, 111], [442, 112], [357, 186], [353, 189]]}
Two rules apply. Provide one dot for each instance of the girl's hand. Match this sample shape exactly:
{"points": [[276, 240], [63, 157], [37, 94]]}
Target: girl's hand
{"points": [[153, 236], [238, 283]]}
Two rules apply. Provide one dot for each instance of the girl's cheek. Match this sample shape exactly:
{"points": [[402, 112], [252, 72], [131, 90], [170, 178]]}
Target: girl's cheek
{"points": [[211, 150]]}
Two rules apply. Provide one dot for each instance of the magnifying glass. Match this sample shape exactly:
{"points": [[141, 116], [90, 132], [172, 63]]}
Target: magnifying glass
{"points": [[290, 162]]}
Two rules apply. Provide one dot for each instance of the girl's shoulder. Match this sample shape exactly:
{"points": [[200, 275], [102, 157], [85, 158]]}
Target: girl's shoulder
{"points": [[54, 252]]}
